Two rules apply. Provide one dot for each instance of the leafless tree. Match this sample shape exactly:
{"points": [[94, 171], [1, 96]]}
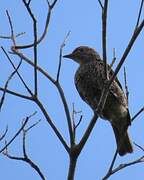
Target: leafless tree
{"points": [[73, 148]]}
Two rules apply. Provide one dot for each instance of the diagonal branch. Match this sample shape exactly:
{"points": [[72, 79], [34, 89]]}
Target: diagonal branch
{"points": [[4, 134], [15, 93], [6, 84], [100, 3], [25, 157], [25, 85], [50, 122], [17, 133], [127, 50]]}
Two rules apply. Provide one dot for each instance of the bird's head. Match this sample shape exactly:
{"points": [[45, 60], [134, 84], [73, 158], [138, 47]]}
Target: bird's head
{"points": [[83, 54]]}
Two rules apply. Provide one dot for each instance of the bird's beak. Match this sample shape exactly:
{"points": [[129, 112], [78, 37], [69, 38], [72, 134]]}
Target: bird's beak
{"points": [[68, 56]]}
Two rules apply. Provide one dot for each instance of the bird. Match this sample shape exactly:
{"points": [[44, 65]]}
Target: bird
{"points": [[89, 81]]}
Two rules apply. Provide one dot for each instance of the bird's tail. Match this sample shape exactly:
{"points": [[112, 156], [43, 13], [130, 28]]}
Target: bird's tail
{"points": [[123, 142]]}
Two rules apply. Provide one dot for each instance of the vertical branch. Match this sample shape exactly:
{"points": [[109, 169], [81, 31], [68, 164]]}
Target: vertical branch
{"points": [[104, 36], [126, 85], [35, 45], [35, 58]]}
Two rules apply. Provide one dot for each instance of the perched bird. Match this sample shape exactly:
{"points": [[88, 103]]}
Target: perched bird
{"points": [[89, 81]]}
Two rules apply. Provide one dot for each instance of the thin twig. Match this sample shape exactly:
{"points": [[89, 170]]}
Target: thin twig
{"points": [[25, 85], [6, 84], [11, 27], [139, 14], [15, 94], [126, 85], [111, 166], [4, 134], [25, 157], [17, 133], [80, 120], [140, 147], [113, 60], [101, 5], [74, 125], [44, 32], [33, 125], [137, 114], [122, 166], [60, 55], [9, 37]]}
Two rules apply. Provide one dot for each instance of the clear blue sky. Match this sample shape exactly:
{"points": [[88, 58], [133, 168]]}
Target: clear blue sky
{"points": [[83, 19]]}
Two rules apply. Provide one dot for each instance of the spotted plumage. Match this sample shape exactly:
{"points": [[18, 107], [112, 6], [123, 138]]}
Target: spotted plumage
{"points": [[89, 81]]}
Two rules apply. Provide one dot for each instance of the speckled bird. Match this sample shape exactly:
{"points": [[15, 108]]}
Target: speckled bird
{"points": [[89, 81]]}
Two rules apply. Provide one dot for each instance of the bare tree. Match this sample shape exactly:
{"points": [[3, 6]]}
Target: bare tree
{"points": [[72, 148]]}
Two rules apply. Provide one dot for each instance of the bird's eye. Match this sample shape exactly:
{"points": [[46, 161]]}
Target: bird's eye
{"points": [[80, 50]]}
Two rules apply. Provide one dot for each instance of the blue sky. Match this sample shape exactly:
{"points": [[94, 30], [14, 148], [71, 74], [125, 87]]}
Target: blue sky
{"points": [[83, 19]]}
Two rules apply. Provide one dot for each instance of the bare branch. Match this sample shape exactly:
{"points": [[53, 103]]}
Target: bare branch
{"points": [[6, 85], [122, 166], [34, 45], [104, 35], [25, 157], [25, 85], [100, 3], [45, 29], [60, 55], [127, 50], [87, 133], [140, 147], [111, 171], [15, 94], [80, 120], [9, 37], [113, 60], [4, 134], [75, 125], [30, 62], [11, 27], [17, 133], [60, 90], [111, 166], [126, 85], [33, 125], [139, 15], [137, 114], [50, 122]]}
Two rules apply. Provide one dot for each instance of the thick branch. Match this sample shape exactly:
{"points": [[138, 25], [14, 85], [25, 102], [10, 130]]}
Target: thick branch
{"points": [[87, 133]]}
